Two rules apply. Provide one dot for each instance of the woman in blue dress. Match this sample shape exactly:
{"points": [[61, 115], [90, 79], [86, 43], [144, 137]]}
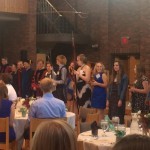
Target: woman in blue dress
{"points": [[99, 84], [7, 109]]}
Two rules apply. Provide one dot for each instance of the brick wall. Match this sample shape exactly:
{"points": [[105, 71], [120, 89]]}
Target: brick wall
{"points": [[20, 35], [112, 19]]}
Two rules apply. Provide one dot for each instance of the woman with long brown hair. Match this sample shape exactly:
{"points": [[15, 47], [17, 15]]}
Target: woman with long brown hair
{"points": [[117, 92], [139, 89]]}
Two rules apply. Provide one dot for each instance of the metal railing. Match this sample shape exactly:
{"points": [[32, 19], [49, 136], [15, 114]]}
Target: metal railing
{"points": [[49, 20]]}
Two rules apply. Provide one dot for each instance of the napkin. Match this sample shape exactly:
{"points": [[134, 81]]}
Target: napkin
{"points": [[94, 128]]}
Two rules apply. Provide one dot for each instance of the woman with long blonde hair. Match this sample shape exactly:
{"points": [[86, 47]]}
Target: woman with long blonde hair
{"points": [[54, 135], [99, 84]]}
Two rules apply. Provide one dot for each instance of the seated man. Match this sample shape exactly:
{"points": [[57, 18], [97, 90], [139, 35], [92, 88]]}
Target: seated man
{"points": [[48, 106]]}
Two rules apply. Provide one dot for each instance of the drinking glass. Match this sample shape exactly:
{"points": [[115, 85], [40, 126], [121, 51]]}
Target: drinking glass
{"points": [[104, 126], [115, 121]]}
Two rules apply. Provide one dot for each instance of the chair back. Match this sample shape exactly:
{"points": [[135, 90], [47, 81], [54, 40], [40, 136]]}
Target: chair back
{"points": [[80, 145], [84, 111], [35, 122], [4, 127], [93, 117]]}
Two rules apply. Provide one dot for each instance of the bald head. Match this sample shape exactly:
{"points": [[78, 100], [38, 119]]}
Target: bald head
{"points": [[46, 85]]}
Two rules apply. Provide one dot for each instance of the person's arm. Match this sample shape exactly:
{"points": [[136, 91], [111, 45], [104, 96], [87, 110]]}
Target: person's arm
{"points": [[87, 76], [123, 91], [12, 114], [32, 111], [63, 113], [108, 95], [124, 87], [142, 91], [104, 84]]}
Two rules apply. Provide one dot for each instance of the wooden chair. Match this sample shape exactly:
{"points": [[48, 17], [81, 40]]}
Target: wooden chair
{"points": [[127, 120], [80, 145], [92, 117], [84, 111], [82, 116], [4, 127], [35, 122]]}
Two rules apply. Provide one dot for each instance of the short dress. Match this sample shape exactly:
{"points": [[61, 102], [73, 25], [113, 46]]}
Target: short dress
{"points": [[98, 99], [83, 93], [138, 99]]}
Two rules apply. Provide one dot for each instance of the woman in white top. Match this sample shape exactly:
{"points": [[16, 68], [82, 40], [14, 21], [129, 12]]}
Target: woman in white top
{"points": [[6, 78]]}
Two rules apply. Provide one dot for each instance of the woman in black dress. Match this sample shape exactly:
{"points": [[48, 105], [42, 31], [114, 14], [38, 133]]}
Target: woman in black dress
{"points": [[117, 92], [83, 75], [139, 90]]}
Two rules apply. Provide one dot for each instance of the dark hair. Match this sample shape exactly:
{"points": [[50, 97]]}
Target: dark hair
{"points": [[6, 78], [5, 58], [48, 63], [140, 71], [133, 142], [83, 58], [3, 91], [114, 74]]}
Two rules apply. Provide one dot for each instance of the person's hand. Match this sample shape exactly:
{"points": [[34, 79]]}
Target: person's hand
{"points": [[94, 83], [119, 103], [76, 72], [132, 89], [107, 103]]}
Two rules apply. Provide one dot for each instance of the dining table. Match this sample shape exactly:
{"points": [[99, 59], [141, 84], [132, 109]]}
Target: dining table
{"points": [[99, 142], [21, 121]]}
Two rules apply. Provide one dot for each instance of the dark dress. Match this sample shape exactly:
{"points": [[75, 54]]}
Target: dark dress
{"points": [[60, 91], [27, 76], [98, 99], [116, 92], [138, 99], [5, 110], [83, 93]]}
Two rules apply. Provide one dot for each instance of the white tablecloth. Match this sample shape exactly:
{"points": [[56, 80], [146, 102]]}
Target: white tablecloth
{"points": [[100, 143], [20, 122]]}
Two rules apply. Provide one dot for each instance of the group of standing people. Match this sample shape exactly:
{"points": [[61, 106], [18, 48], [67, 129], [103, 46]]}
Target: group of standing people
{"points": [[91, 87], [95, 89]]}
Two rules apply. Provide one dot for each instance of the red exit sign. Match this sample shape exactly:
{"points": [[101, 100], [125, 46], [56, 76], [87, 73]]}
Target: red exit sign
{"points": [[124, 40]]}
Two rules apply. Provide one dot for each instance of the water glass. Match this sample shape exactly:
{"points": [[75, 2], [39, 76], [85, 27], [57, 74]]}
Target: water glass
{"points": [[115, 121], [104, 126]]}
